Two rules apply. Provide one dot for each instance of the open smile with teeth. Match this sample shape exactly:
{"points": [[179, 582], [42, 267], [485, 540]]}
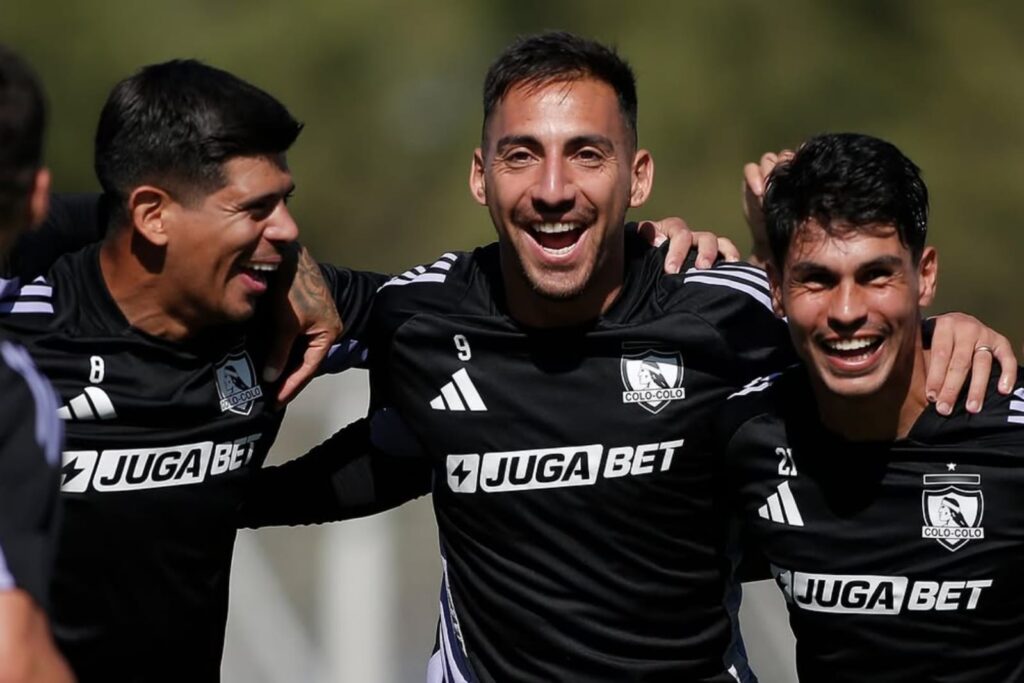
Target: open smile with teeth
{"points": [[258, 270], [556, 239], [851, 349]]}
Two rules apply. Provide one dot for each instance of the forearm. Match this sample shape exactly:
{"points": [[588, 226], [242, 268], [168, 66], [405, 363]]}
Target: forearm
{"points": [[342, 478]]}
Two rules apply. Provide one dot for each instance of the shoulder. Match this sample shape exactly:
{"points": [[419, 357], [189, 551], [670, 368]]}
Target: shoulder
{"points": [[26, 296], [736, 284], [999, 423], [456, 282], [759, 399]]}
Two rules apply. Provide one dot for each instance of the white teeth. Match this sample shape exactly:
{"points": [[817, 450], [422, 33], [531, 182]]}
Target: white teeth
{"points": [[554, 228], [851, 344], [558, 252], [264, 267]]}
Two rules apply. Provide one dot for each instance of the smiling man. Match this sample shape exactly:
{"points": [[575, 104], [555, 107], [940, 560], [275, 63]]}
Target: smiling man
{"points": [[895, 534], [146, 337], [572, 492]]}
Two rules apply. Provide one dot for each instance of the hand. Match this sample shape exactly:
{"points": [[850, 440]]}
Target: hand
{"points": [[754, 178], [682, 239], [305, 310], [962, 343]]}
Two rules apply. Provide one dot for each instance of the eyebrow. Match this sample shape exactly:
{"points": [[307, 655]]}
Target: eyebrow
{"points": [[804, 267], [573, 143]]}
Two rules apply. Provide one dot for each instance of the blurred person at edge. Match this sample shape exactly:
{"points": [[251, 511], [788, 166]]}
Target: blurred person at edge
{"points": [[30, 433]]}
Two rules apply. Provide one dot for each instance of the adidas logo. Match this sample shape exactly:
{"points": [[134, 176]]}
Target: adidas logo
{"points": [[1017, 408], [35, 297], [92, 404], [781, 507], [435, 272], [459, 394]]}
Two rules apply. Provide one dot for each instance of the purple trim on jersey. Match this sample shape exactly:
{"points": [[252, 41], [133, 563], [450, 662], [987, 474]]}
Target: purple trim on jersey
{"points": [[26, 307], [49, 429], [456, 665], [344, 355], [6, 579], [31, 298]]}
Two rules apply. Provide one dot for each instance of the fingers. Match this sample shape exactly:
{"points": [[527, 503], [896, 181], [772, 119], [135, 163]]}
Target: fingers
{"points": [[950, 359], [1008, 363], [962, 344], [753, 180], [981, 368], [298, 378], [728, 250], [681, 239]]}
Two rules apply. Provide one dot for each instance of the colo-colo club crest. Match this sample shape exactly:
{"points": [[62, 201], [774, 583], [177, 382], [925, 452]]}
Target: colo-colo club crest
{"points": [[236, 384], [652, 378], [953, 505]]}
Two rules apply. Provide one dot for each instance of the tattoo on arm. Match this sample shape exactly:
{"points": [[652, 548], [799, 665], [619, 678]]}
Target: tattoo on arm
{"points": [[310, 298]]}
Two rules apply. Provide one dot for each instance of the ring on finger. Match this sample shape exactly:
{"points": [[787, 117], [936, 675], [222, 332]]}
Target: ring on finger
{"points": [[983, 347]]}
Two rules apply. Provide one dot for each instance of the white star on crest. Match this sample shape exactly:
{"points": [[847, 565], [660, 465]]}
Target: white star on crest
{"points": [[951, 467]]}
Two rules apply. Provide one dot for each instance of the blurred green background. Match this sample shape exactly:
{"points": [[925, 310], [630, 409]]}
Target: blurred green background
{"points": [[389, 92]]}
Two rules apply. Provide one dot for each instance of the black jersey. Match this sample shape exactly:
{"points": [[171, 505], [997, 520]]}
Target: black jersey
{"points": [[30, 439], [899, 560], [160, 437], [572, 491]]}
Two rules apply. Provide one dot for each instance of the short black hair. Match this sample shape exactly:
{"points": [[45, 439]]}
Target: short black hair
{"points": [[846, 181], [22, 123], [175, 124], [554, 57]]}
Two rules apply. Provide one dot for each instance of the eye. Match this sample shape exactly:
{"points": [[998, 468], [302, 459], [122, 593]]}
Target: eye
{"points": [[589, 156], [519, 156], [878, 275], [815, 280], [262, 210]]}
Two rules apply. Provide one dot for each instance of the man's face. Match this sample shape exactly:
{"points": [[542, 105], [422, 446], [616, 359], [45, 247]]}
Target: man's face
{"points": [[558, 173], [221, 251], [853, 301]]}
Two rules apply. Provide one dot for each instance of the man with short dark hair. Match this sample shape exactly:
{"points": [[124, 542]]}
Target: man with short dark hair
{"points": [[894, 533], [165, 390], [30, 434]]}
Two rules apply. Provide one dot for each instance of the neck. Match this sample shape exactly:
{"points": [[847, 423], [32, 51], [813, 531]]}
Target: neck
{"points": [[886, 415], [132, 274], [532, 309]]}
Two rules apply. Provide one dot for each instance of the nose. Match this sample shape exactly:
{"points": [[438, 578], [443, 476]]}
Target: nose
{"points": [[281, 227], [847, 309], [555, 191]]}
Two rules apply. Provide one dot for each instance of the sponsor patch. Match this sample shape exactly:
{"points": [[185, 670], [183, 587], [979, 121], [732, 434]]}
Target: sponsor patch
{"points": [[871, 594], [236, 384], [127, 469], [952, 505], [652, 378], [560, 467]]}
